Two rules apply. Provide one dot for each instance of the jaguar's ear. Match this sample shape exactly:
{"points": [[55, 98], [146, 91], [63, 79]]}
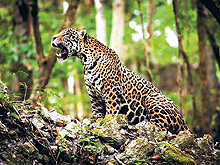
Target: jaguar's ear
{"points": [[82, 33]]}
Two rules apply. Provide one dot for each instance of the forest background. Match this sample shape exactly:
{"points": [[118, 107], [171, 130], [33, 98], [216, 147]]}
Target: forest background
{"points": [[174, 44]]}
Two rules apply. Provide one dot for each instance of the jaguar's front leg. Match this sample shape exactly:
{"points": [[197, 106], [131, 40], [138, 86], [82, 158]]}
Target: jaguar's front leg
{"points": [[113, 101], [98, 108]]}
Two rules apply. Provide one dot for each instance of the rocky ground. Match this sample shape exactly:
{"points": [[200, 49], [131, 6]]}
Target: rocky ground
{"points": [[33, 135]]}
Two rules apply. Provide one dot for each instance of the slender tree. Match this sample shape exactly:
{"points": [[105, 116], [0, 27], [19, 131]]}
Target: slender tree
{"points": [[117, 33], [203, 67], [100, 21], [184, 55], [146, 52]]}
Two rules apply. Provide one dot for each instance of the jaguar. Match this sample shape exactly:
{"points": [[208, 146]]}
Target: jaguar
{"points": [[113, 88]]}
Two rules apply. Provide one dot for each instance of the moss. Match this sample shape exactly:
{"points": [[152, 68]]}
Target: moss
{"points": [[97, 131], [183, 140], [106, 119], [175, 155], [26, 147]]}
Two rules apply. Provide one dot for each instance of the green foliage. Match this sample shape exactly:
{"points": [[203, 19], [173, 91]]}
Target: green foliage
{"points": [[90, 142], [61, 149], [141, 161], [15, 115], [2, 96]]}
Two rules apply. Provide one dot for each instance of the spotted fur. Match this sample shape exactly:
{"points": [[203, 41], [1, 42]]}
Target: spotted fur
{"points": [[114, 89]]}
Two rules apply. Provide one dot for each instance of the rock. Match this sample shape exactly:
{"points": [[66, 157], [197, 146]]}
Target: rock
{"points": [[70, 130], [175, 155], [56, 117], [184, 140], [109, 149], [26, 147], [205, 152], [38, 123], [137, 149], [206, 144], [150, 131], [109, 130]]}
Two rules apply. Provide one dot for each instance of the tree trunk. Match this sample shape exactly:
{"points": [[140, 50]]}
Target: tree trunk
{"points": [[147, 58], [100, 21], [214, 7], [46, 63], [203, 50], [117, 33], [209, 82], [185, 57]]}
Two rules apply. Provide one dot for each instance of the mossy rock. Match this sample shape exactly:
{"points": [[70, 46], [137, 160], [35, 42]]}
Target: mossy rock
{"points": [[150, 131], [137, 149], [206, 144], [175, 155], [26, 147], [184, 139], [109, 129]]}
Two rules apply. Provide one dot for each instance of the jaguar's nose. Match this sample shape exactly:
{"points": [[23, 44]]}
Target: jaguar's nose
{"points": [[53, 38]]}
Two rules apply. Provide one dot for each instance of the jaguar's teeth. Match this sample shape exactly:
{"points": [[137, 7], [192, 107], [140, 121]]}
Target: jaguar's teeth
{"points": [[58, 54]]}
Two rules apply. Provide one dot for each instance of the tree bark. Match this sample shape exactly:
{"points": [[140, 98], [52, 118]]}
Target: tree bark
{"points": [[46, 63], [117, 33], [144, 43], [185, 56], [214, 7], [203, 67], [214, 45], [100, 21]]}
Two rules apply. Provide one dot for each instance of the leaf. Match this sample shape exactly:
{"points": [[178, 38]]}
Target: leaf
{"points": [[90, 147], [2, 96], [61, 149], [41, 92], [84, 140], [15, 115]]}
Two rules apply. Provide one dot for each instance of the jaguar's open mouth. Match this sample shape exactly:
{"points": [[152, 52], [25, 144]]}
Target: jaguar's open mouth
{"points": [[61, 51]]}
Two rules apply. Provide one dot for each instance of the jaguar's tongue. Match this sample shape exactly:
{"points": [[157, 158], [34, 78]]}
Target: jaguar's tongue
{"points": [[63, 52]]}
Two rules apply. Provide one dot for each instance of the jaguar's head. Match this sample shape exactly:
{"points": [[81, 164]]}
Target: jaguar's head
{"points": [[69, 42]]}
